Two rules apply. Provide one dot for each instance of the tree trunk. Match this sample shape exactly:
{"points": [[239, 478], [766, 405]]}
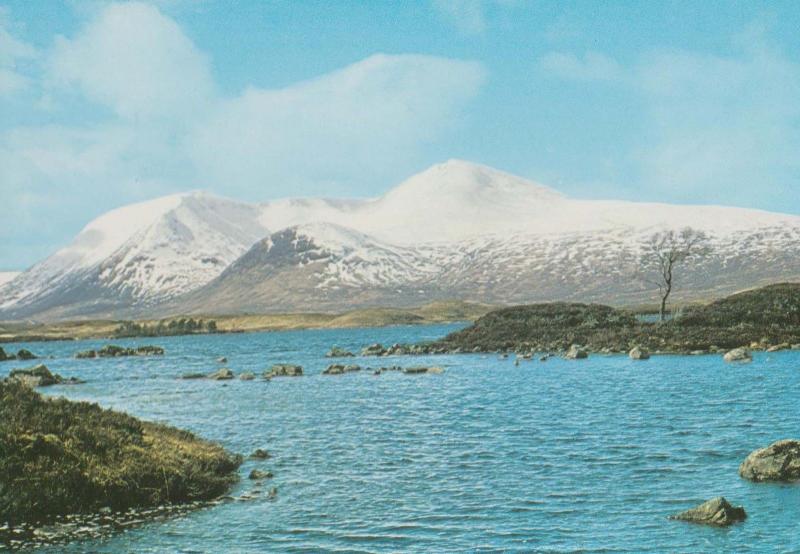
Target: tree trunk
{"points": [[662, 312]]}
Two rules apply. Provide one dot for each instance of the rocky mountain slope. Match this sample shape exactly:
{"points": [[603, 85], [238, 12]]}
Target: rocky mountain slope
{"points": [[457, 230]]}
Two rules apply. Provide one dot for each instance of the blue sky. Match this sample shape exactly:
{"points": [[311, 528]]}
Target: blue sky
{"points": [[103, 104]]}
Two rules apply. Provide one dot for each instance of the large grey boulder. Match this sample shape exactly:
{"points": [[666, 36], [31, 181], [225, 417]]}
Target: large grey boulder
{"points": [[738, 355], [716, 511], [575, 352], [337, 352], [780, 461], [638, 353], [376, 349], [40, 376], [339, 369]]}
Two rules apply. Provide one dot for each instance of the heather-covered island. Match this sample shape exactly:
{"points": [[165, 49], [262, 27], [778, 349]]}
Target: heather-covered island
{"points": [[59, 457]]}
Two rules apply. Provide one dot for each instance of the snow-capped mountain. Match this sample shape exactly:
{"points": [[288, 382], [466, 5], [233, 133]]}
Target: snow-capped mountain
{"points": [[456, 230], [136, 256]]}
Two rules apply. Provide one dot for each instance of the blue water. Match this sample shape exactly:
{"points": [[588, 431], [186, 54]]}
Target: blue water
{"points": [[561, 456]]}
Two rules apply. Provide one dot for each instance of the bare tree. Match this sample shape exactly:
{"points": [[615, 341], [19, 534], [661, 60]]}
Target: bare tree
{"points": [[666, 250]]}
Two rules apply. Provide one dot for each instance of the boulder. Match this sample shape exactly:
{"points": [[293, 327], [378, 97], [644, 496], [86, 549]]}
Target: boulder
{"points": [[339, 369], [638, 353], [25, 355], [193, 376], [376, 349], [149, 350], [36, 376], [4, 356], [716, 511], [260, 454], [258, 474], [223, 374], [86, 354], [416, 370], [284, 370], [435, 369], [779, 461], [575, 352], [247, 376], [222, 360], [738, 355], [337, 352]]}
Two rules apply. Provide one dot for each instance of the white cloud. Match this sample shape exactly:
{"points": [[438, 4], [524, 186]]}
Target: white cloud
{"points": [[168, 128], [136, 61], [714, 126], [12, 51], [360, 120], [593, 66]]}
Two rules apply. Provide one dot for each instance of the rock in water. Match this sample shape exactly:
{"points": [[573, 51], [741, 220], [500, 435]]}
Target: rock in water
{"points": [[223, 374], [284, 370], [337, 352], [575, 352], [779, 461], [716, 511], [25, 355], [36, 376], [376, 349], [638, 353], [260, 454], [222, 360], [738, 355], [247, 376], [258, 474]]}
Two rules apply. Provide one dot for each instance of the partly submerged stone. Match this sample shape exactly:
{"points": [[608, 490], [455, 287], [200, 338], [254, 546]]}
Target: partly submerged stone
{"points": [[260, 454], [376, 349], [575, 352], [779, 461], [337, 352], [738, 355], [24, 354], [638, 353], [259, 474], [716, 511], [284, 370], [339, 369], [36, 376], [223, 374]]}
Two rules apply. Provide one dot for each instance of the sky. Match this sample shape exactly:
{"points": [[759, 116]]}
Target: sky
{"points": [[107, 103]]}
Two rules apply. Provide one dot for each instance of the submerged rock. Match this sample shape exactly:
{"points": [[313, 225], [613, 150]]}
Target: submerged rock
{"points": [[86, 354], [779, 461], [738, 355], [223, 374], [222, 360], [337, 352], [114, 351], [575, 352], [376, 349], [247, 376], [422, 369], [339, 369], [284, 370], [259, 474], [194, 376], [638, 353], [260, 454], [778, 347], [716, 511]]}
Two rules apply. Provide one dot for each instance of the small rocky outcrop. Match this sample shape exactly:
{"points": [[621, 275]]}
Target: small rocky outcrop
{"points": [[284, 370], [194, 375], [114, 351], [25, 355], [222, 360], [376, 349], [422, 369], [247, 376], [716, 511], [40, 376], [4, 356], [779, 462], [223, 374], [337, 352], [260, 454], [738, 355], [575, 352], [258, 474], [638, 353], [340, 369]]}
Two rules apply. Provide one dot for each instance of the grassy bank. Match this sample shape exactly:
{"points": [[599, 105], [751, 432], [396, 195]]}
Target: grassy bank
{"points": [[437, 312], [60, 457], [759, 319]]}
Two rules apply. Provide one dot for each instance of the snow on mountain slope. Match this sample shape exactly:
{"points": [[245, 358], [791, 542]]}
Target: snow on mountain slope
{"points": [[456, 230], [137, 255], [7, 276], [457, 200]]}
